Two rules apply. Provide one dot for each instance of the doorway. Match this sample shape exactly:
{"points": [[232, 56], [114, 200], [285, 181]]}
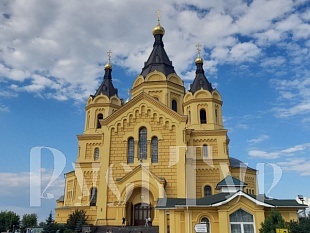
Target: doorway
{"points": [[141, 212]]}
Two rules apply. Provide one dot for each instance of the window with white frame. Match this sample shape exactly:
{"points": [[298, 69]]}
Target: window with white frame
{"points": [[241, 222]]}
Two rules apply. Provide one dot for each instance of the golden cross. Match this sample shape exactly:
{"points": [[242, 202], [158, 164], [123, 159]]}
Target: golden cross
{"points": [[158, 16], [109, 56], [198, 49]]}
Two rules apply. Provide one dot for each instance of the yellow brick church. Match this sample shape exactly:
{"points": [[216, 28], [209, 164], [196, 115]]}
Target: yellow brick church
{"points": [[163, 154]]}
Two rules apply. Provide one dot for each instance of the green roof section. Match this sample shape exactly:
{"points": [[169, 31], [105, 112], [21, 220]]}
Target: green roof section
{"points": [[222, 198], [230, 181]]}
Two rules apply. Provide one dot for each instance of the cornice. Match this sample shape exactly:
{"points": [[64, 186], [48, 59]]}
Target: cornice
{"points": [[101, 105], [208, 132], [89, 137], [202, 100], [157, 84]]}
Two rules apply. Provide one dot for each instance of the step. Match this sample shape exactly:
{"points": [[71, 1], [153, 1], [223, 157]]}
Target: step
{"points": [[119, 229]]}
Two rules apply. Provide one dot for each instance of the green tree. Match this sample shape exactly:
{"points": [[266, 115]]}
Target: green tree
{"points": [[41, 224], [76, 220], [302, 226], [273, 221], [8, 221], [29, 220], [50, 226]]}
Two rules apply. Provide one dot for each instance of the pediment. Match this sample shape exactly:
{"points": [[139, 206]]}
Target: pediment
{"points": [[144, 104], [137, 174]]}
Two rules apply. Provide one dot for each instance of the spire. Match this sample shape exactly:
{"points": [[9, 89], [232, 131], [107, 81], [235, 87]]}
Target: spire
{"points": [[200, 81], [158, 59], [106, 87]]}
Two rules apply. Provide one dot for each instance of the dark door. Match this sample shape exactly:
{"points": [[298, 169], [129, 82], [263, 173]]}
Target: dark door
{"points": [[142, 211]]}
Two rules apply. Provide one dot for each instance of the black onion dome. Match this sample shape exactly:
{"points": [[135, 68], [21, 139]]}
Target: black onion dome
{"points": [[106, 88], [158, 59], [200, 80]]}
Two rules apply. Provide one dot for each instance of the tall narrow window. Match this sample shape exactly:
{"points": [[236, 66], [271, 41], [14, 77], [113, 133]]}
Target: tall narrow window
{"points": [[203, 116], [241, 222], [99, 117], [143, 143], [216, 117], [207, 190], [154, 148], [174, 105], [206, 221], [96, 153], [131, 150], [189, 117], [205, 151], [93, 196]]}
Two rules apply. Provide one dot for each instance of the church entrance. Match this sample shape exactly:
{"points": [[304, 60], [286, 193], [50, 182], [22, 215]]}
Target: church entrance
{"points": [[141, 212]]}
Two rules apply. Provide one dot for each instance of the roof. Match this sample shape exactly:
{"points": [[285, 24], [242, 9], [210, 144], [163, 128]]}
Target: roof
{"points": [[106, 88], [61, 198], [158, 59], [200, 81], [230, 181], [236, 163], [222, 198]]}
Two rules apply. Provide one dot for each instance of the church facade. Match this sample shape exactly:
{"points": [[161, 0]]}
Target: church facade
{"points": [[163, 154]]}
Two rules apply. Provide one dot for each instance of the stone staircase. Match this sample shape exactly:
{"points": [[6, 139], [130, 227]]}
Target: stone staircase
{"points": [[126, 229]]}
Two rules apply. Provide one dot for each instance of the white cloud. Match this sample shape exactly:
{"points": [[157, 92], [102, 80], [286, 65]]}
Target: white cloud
{"points": [[294, 97], [244, 52], [264, 154], [299, 165], [273, 61], [18, 184], [259, 139], [47, 48], [285, 152], [4, 108]]}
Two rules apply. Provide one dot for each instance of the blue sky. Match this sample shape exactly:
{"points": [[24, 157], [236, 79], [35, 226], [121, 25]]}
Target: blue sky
{"points": [[52, 53]]}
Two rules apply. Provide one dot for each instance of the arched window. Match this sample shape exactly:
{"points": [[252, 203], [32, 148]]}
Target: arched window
{"points": [[130, 150], [206, 221], [154, 148], [174, 105], [93, 196], [203, 116], [143, 143], [241, 222], [207, 190], [99, 117], [189, 117], [96, 153], [205, 151]]}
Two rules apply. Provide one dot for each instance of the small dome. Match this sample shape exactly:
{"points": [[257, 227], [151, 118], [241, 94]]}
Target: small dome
{"points": [[198, 60], [158, 30], [108, 66]]}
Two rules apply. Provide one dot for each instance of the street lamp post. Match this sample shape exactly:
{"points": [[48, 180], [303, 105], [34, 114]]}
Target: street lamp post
{"points": [[301, 198]]}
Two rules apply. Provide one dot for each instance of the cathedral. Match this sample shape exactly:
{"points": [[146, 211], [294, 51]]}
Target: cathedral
{"points": [[162, 155]]}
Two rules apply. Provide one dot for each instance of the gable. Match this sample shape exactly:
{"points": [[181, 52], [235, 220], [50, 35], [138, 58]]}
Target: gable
{"points": [[147, 106]]}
